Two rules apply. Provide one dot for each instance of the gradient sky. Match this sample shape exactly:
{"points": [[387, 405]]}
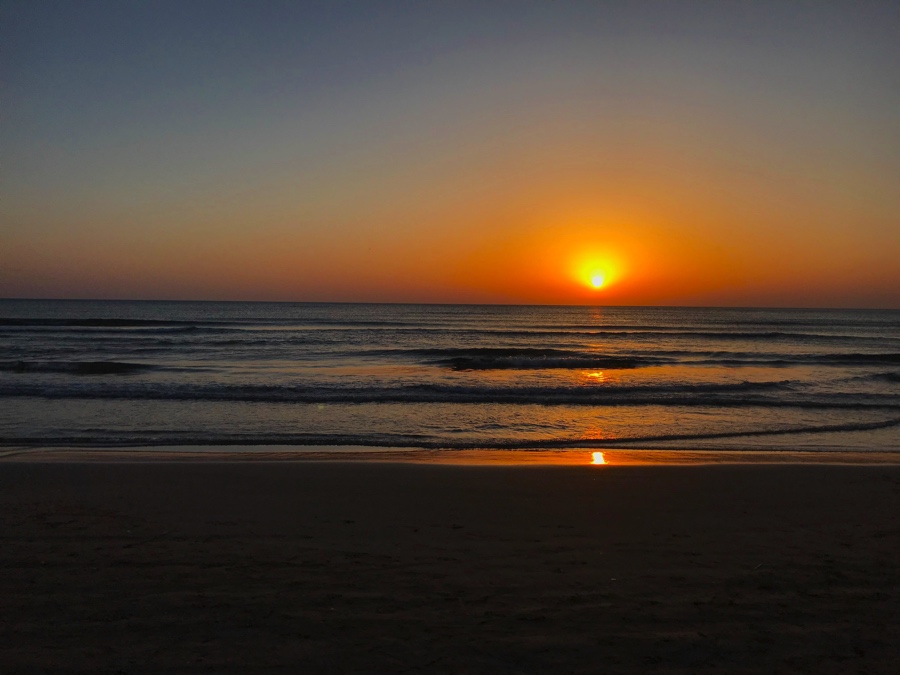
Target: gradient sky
{"points": [[700, 153]]}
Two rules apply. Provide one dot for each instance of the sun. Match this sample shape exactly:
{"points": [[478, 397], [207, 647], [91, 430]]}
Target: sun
{"points": [[596, 270]]}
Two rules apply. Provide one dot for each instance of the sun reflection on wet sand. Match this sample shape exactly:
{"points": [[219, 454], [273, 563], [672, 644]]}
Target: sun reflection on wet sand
{"points": [[648, 457], [573, 457]]}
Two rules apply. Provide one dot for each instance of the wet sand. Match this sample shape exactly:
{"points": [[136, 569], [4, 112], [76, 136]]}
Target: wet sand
{"points": [[384, 567]]}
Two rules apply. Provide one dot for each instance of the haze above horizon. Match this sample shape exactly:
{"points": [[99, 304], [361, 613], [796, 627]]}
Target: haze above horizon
{"points": [[619, 153]]}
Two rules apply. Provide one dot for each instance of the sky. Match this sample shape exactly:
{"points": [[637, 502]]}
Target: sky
{"points": [[674, 153]]}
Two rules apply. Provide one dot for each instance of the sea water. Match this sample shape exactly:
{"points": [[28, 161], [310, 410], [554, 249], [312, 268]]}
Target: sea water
{"points": [[115, 374]]}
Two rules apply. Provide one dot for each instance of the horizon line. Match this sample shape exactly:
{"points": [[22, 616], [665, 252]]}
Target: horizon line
{"points": [[459, 304]]}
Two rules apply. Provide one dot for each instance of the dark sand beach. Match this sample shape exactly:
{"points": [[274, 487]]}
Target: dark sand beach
{"points": [[384, 567]]}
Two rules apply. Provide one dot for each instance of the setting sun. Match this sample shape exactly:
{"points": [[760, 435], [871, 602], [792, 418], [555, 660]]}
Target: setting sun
{"points": [[595, 270]]}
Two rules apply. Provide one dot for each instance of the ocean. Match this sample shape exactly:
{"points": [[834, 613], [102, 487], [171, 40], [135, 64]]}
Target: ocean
{"points": [[123, 374]]}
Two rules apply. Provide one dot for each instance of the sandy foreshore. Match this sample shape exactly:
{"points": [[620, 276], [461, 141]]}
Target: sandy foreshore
{"points": [[239, 566]]}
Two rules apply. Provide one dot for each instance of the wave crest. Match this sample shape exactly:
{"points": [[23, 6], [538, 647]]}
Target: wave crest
{"points": [[528, 358]]}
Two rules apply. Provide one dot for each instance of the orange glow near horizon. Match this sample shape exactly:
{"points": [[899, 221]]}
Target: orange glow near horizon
{"points": [[616, 258], [597, 458]]}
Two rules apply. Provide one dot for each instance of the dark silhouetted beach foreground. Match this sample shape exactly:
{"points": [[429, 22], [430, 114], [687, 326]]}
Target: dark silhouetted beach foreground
{"points": [[379, 567]]}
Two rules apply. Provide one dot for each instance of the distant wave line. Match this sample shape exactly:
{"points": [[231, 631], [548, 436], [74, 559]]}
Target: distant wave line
{"points": [[735, 395], [75, 367]]}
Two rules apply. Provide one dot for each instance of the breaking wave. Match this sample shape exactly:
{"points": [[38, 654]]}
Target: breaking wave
{"points": [[421, 441]]}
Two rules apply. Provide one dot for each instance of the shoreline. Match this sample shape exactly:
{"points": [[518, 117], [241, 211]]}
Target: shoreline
{"points": [[468, 457]]}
